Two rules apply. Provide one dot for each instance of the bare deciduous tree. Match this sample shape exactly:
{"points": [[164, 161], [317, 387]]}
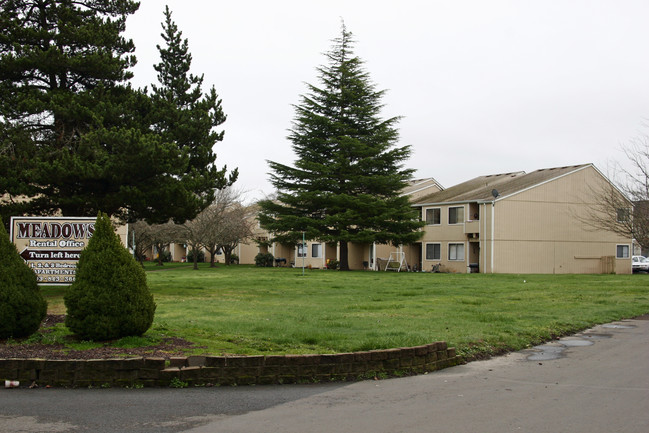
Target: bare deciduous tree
{"points": [[623, 207], [140, 239], [230, 224], [214, 216], [237, 226], [162, 235], [221, 226]]}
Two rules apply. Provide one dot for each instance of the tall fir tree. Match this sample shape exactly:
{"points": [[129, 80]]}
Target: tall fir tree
{"points": [[346, 182], [75, 137], [184, 115]]}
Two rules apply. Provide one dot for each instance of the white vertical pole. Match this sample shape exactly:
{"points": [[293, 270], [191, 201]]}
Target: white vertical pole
{"points": [[303, 253], [493, 228]]}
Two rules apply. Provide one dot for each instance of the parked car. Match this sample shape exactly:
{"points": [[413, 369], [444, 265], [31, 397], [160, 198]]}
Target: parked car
{"points": [[639, 264]]}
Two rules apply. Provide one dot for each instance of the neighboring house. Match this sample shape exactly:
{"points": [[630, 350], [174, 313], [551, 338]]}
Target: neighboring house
{"points": [[521, 223], [504, 223]]}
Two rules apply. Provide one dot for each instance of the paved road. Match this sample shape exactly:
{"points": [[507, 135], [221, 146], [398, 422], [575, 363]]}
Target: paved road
{"points": [[593, 382]]}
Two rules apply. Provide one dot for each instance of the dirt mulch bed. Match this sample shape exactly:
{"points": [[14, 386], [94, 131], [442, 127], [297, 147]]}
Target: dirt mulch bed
{"points": [[166, 348]]}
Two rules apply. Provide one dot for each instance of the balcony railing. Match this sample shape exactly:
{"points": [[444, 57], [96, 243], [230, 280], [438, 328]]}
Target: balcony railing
{"points": [[472, 227]]}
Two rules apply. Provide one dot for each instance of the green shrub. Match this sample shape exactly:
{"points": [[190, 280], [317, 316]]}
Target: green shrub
{"points": [[332, 264], [264, 260], [110, 298], [22, 307], [166, 256], [200, 256]]}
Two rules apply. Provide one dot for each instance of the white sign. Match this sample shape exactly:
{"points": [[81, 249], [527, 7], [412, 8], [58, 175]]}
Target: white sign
{"points": [[51, 246]]}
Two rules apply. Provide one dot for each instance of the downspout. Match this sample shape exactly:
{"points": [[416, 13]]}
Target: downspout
{"points": [[493, 226], [373, 267], [483, 234], [422, 253]]}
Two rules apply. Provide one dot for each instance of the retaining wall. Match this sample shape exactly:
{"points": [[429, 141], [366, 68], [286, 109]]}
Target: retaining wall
{"points": [[229, 370]]}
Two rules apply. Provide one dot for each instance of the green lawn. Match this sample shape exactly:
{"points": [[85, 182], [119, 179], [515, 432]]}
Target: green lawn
{"points": [[248, 310]]}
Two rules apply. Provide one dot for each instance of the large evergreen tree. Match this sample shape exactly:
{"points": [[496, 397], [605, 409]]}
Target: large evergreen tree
{"points": [[186, 116], [345, 186], [74, 136]]}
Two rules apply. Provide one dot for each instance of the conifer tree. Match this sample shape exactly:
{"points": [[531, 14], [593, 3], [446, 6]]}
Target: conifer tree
{"points": [[22, 307], [110, 297], [346, 182], [75, 137], [184, 115]]}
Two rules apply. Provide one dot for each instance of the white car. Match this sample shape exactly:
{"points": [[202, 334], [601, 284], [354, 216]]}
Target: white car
{"points": [[639, 264]]}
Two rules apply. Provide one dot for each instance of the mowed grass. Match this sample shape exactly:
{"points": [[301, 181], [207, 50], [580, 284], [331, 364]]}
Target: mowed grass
{"points": [[249, 310]]}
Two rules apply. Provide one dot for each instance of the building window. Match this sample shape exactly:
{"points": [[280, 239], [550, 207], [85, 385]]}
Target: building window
{"points": [[301, 250], [622, 252], [433, 216], [456, 252], [623, 215], [433, 251], [316, 250], [456, 215]]}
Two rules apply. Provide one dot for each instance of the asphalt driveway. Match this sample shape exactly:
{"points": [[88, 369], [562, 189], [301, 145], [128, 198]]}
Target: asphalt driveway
{"points": [[597, 381]]}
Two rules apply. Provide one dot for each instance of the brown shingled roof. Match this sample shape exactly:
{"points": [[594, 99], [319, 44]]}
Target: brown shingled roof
{"points": [[480, 188]]}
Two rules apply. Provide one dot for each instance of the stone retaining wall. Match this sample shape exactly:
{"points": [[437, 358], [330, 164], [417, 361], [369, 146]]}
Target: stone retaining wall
{"points": [[229, 370]]}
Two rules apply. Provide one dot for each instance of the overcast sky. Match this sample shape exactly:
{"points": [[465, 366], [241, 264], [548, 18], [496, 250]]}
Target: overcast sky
{"points": [[484, 87]]}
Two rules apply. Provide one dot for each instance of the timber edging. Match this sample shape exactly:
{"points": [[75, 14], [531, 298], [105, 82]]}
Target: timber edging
{"points": [[229, 370]]}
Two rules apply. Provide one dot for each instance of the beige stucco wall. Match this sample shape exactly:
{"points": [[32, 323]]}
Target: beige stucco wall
{"points": [[535, 231], [357, 254], [412, 253], [311, 261], [445, 234], [542, 230], [247, 251]]}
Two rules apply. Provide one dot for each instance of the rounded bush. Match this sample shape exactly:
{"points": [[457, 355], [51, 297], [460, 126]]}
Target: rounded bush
{"points": [[264, 260], [200, 257], [109, 298], [22, 307]]}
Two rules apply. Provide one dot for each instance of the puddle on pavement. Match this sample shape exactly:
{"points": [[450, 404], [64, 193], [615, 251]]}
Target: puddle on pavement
{"points": [[549, 352], [546, 353], [616, 326], [596, 336], [573, 342]]}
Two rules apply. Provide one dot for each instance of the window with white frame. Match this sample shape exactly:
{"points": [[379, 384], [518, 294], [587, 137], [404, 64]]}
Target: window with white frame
{"points": [[456, 215], [433, 251], [456, 252], [433, 216], [622, 252], [316, 250], [301, 250]]}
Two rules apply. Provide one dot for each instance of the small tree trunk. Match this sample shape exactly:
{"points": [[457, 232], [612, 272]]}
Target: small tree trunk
{"points": [[160, 249], [344, 256], [195, 257]]}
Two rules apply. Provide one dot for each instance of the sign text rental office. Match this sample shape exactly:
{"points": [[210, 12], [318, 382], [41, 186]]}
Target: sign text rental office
{"points": [[52, 246]]}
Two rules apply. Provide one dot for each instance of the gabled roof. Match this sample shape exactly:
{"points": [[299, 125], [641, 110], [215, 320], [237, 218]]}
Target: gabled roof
{"points": [[480, 188], [416, 186]]}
